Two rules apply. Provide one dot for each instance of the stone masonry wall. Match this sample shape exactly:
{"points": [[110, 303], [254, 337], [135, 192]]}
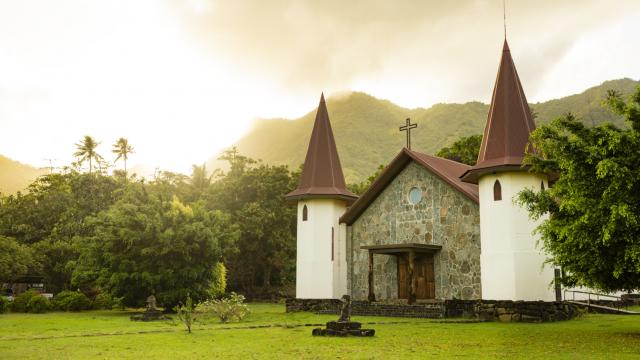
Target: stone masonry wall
{"points": [[443, 217], [365, 308], [481, 310], [511, 311]]}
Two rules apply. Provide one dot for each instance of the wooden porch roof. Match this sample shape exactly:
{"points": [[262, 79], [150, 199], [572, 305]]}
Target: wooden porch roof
{"points": [[402, 248]]}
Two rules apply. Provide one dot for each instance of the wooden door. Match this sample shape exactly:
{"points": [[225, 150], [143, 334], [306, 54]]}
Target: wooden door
{"points": [[424, 277], [403, 282]]}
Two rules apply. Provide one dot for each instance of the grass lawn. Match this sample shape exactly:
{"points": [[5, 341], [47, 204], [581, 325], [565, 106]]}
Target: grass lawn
{"points": [[110, 334]]}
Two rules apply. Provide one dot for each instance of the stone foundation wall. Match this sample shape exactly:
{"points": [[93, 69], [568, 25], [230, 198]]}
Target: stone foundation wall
{"points": [[365, 308], [443, 217], [512, 311], [313, 305], [485, 310]]}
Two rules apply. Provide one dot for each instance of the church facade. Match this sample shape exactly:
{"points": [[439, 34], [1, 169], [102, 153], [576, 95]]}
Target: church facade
{"points": [[437, 223], [428, 228]]}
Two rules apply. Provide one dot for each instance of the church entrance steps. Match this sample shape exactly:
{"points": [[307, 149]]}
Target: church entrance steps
{"points": [[601, 309]]}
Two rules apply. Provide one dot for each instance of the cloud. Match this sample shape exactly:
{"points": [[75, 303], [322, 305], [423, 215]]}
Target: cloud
{"points": [[450, 48]]}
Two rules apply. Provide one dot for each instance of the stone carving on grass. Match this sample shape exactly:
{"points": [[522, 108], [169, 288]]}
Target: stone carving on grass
{"points": [[151, 313], [344, 326]]}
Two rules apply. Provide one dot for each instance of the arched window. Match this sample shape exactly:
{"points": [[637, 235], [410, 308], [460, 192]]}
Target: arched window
{"points": [[305, 213], [497, 191], [542, 185]]}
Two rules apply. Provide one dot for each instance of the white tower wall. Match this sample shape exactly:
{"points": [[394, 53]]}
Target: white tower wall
{"points": [[318, 275], [511, 263]]}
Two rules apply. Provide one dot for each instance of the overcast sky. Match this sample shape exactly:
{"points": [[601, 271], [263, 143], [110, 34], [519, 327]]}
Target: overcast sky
{"points": [[184, 79]]}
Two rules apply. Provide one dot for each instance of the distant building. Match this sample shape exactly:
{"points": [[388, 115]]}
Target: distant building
{"points": [[428, 227]]}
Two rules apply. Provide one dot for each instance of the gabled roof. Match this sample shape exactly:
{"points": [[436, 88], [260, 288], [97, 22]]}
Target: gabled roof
{"points": [[448, 170], [322, 174], [509, 124]]}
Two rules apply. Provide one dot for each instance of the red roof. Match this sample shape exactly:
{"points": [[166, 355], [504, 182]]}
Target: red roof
{"points": [[509, 124], [448, 170], [322, 174]]}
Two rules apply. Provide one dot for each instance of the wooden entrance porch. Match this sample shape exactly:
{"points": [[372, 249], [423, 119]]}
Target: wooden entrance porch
{"points": [[416, 278]]}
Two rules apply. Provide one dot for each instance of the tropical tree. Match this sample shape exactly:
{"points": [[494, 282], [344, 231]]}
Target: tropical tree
{"points": [[252, 193], [465, 150], [86, 151], [15, 259], [200, 181], [145, 243], [122, 149], [361, 187], [51, 219], [591, 225]]}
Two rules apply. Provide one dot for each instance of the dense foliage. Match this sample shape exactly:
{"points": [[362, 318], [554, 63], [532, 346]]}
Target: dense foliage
{"points": [[253, 194], [591, 216], [146, 243], [126, 238], [15, 259], [465, 150], [71, 301], [51, 219], [30, 302]]}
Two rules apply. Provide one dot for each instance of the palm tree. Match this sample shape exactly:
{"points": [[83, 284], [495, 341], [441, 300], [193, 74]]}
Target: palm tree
{"points": [[122, 149], [199, 178], [87, 151]]}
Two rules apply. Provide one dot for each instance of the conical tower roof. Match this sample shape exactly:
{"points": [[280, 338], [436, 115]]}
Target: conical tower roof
{"points": [[322, 175], [509, 124]]}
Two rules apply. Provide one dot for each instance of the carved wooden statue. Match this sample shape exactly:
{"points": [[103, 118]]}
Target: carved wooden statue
{"points": [[345, 311]]}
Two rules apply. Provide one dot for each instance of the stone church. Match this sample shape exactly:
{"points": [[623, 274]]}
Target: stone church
{"points": [[428, 228]]}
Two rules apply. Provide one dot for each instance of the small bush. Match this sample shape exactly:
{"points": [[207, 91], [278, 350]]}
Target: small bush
{"points": [[71, 301], [21, 302], [186, 314], [38, 304], [227, 309], [4, 304], [106, 301]]}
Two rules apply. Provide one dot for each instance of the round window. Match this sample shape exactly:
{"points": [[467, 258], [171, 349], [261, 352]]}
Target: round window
{"points": [[415, 195]]}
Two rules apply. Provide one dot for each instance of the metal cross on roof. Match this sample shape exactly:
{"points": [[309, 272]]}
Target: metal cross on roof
{"points": [[408, 128]]}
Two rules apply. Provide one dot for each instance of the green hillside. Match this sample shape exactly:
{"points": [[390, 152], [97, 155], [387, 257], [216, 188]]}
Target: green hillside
{"points": [[366, 128], [15, 176]]}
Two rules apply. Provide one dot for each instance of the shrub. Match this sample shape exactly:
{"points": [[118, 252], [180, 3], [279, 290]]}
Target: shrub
{"points": [[4, 304], [21, 302], [227, 309], [186, 313], [38, 304], [104, 301], [219, 284], [71, 301]]}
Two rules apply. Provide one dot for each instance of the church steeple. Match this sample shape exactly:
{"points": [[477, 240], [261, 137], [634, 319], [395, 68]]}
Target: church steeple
{"points": [[512, 267], [322, 175], [509, 123]]}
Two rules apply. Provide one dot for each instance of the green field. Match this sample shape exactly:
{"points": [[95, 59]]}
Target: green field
{"points": [[270, 333]]}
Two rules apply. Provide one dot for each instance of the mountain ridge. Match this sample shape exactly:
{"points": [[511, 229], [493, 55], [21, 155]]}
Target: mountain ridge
{"points": [[359, 120], [16, 176]]}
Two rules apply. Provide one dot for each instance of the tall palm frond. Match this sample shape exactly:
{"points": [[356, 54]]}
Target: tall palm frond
{"points": [[86, 151], [122, 149]]}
